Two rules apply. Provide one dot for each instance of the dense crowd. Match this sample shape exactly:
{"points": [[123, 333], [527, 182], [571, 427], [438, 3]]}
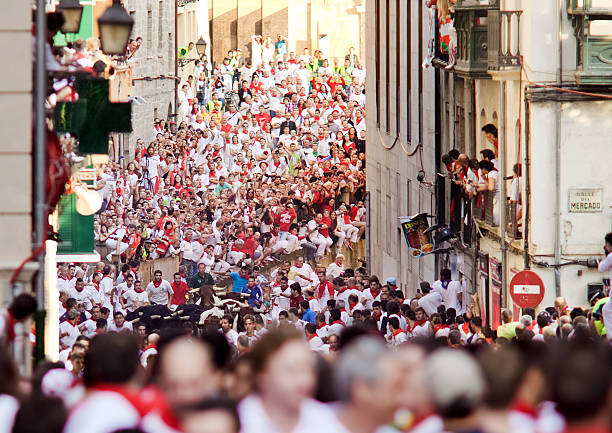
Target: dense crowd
{"points": [[350, 354], [243, 178]]}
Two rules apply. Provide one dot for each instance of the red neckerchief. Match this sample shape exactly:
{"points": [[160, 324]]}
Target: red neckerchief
{"points": [[343, 310], [157, 284], [321, 289], [352, 305], [321, 326], [375, 293], [312, 336], [339, 322], [465, 327], [342, 290], [397, 332], [438, 327], [418, 323], [126, 393], [525, 408], [149, 346]]}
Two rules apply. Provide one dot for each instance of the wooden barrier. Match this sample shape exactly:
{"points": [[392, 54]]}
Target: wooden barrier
{"points": [[168, 266]]}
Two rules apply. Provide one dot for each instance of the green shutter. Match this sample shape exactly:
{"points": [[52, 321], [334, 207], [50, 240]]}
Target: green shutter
{"points": [[75, 230]]}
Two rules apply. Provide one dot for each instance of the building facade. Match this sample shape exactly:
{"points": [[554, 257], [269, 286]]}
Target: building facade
{"points": [[400, 142], [540, 72], [153, 67], [330, 26]]}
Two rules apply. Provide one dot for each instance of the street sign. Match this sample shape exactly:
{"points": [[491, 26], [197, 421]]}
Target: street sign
{"points": [[527, 289]]}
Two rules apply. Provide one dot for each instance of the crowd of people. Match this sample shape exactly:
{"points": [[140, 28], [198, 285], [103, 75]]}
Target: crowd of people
{"points": [[273, 162], [472, 177], [349, 354], [268, 159]]}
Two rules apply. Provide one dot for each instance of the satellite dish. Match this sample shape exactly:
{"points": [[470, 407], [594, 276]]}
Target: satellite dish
{"points": [[88, 202]]}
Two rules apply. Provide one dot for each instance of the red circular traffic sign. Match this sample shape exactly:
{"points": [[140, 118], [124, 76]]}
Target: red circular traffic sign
{"points": [[527, 289]]}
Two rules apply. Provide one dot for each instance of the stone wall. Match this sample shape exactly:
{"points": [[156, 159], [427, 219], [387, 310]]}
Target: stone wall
{"points": [[153, 64], [301, 23]]}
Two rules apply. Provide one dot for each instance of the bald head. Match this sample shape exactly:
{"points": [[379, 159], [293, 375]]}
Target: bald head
{"points": [[187, 372]]}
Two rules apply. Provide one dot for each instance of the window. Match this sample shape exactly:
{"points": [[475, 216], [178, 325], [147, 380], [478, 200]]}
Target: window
{"points": [[149, 33], [170, 53], [420, 70], [398, 64], [160, 26], [387, 70], [408, 38]]}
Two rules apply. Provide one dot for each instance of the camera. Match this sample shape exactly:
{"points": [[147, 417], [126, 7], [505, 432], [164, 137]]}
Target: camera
{"points": [[421, 176]]}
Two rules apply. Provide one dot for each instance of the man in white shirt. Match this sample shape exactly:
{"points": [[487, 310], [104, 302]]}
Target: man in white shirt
{"points": [[68, 330], [88, 327], [107, 287], [226, 328], [314, 341], [83, 294], [451, 291], [431, 299], [135, 297], [160, 291], [119, 323], [335, 268], [303, 274]]}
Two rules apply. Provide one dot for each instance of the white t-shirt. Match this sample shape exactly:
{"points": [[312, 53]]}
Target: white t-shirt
{"points": [[314, 417], [430, 302], [449, 294], [102, 412], [159, 295], [73, 333]]}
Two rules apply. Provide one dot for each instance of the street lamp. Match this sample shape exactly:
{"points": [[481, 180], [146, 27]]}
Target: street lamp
{"points": [[115, 28], [72, 12], [201, 47]]}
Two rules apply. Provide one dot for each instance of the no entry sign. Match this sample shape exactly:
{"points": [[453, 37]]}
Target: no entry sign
{"points": [[527, 289]]}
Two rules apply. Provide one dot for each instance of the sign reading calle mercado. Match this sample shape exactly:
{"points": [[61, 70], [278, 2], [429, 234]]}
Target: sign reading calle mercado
{"points": [[585, 200]]}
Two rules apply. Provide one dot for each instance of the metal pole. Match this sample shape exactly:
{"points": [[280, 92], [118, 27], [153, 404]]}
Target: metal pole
{"points": [[40, 168], [557, 271], [501, 205]]}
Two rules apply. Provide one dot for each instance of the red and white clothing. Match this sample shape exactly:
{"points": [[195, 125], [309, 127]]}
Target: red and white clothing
{"points": [[334, 270], [106, 410], [420, 329], [158, 292], [397, 338], [72, 331], [324, 291]]}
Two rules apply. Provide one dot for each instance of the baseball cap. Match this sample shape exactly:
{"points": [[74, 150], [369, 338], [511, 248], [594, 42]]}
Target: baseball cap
{"points": [[392, 281]]}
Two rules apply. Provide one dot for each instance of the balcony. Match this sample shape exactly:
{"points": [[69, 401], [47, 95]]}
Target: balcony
{"points": [[592, 21], [484, 208], [471, 23], [504, 48]]}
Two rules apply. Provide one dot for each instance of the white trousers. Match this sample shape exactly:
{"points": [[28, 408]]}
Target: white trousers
{"points": [[321, 242], [346, 231]]}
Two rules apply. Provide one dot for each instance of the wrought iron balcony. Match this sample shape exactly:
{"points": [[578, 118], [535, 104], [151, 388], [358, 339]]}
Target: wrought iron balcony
{"points": [[471, 23], [504, 40], [592, 20]]}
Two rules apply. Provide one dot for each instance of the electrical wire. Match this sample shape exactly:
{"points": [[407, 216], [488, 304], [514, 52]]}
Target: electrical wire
{"points": [[560, 89]]}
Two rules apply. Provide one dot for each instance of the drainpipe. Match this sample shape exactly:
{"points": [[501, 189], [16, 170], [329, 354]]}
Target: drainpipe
{"points": [[527, 177], [40, 170], [557, 270], [502, 192]]}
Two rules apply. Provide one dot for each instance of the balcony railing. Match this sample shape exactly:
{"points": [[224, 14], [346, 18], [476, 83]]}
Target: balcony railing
{"points": [[471, 23], [592, 22], [504, 39], [513, 220]]}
